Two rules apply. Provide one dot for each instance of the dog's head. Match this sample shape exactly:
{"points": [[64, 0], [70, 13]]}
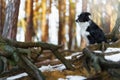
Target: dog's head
{"points": [[83, 17]]}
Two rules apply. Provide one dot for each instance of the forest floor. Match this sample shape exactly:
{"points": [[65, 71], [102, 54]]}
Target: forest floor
{"points": [[53, 69]]}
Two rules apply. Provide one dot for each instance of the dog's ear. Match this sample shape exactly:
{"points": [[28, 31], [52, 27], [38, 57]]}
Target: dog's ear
{"points": [[87, 14]]}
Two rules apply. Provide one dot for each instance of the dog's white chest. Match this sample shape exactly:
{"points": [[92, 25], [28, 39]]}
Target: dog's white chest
{"points": [[83, 32], [84, 26]]}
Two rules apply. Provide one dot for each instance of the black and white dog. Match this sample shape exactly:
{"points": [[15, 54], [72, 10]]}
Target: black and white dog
{"points": [[89, 30]]}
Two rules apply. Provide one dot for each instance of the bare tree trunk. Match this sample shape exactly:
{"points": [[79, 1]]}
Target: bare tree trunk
{"points": [[84, 5], [45, 36], [10, 26], [29, 28], [71, 24], [116, 29], [61, 32], [44, 26], [2, 15]]}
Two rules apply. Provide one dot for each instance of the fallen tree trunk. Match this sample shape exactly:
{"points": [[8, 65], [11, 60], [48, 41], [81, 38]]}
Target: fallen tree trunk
{"points": [[44, 46], [18, 51], [99, 63]]}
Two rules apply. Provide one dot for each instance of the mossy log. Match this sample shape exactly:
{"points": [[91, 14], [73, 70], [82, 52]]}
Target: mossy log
{"points": [[100, 64], [18, 51], [44, 46]]}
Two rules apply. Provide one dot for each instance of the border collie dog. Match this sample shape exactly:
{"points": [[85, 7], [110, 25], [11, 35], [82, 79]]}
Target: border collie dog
{"points": [[89, 30]]}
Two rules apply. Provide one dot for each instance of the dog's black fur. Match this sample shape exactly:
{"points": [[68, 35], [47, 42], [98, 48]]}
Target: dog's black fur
{"points": [[96, 35]]}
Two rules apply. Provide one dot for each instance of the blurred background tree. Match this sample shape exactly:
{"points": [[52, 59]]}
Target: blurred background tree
{"points": [[11, 19], [53, 21], [29, 20], [2, 15]]}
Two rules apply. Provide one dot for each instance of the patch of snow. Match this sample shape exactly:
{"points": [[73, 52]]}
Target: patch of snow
{"points": [[62, 79], [17, 76], [98, 51], [73, 78], [43, 68], [74, 54], [108, 50], [114, 57], [112, 50], [52, 68]]}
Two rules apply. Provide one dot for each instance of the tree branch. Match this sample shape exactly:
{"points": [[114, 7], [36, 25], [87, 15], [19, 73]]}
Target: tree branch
{"points": [[98, 46]]}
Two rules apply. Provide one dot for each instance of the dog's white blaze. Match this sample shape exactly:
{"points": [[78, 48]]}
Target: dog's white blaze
{"points": [[83, 32]]}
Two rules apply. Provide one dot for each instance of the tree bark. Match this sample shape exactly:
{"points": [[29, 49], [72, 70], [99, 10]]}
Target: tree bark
{"points": [[29, 28], [72, 31], [10, 25], [44, 26], [2, 15], [61, 31]]}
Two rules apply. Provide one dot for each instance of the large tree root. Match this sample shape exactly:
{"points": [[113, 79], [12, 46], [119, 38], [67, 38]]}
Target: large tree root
{"points": [[100, 64]]}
